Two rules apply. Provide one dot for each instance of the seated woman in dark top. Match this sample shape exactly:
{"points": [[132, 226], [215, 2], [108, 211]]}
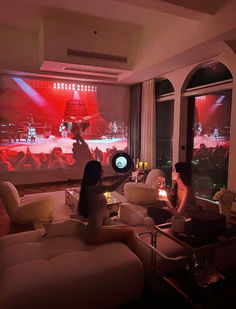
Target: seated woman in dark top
{"points": [[181, 199], [93, 207]]}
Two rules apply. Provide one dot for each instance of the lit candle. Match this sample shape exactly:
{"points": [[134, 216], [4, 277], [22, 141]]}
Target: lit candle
{"points": [[145, 165], [140, 165], [106, 195], [162, 194]]}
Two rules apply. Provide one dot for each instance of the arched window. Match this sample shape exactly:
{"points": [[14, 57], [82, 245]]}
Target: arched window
{"points": [[163, 87], [209, 112], [209, 74]]}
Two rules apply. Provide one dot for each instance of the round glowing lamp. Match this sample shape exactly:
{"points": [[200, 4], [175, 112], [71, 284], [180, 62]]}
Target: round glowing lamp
{"points": [[121, 162]]}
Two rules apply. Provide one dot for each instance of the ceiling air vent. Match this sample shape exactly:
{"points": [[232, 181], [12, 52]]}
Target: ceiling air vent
{"points": [[80, 53], [92, 71]]}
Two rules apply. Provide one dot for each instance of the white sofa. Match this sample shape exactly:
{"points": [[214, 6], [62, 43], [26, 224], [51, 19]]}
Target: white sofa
{"points": [[61, 271]]}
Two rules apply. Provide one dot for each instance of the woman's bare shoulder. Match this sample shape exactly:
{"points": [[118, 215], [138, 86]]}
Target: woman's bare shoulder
{"points": [[91, 188], [98, 188]]}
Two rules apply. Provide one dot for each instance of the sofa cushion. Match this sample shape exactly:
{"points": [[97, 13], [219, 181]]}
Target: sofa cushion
{"points": [[128, 215], [64, 272], [63, 228], [17, 253]]}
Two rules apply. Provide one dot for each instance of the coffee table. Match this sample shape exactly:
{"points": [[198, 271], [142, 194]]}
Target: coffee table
{"points": [[72, 199]]}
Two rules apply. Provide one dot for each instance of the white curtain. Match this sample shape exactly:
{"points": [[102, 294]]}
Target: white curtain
{"points": [[148, 124]]}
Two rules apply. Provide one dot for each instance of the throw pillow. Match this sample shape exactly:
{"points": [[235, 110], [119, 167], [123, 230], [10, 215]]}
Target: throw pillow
{"points": [[129, 216]]}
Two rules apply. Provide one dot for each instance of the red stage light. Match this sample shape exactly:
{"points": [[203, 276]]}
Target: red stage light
{"points": [[74, 87]]}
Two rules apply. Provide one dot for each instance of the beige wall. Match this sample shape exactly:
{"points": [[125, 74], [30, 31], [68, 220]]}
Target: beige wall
{"points": [[19, 50], [24, 51], [166, 46]]}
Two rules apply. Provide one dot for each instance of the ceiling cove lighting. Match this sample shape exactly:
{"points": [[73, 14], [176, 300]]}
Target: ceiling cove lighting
{"points": [[74, 87]]}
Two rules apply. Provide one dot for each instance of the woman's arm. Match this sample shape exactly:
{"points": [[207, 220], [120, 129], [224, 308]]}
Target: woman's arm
{"points": [[183, 200], [108, 188], [183, 203], [171, 208]]}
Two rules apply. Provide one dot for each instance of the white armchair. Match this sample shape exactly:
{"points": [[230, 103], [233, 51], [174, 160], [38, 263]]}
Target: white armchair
{"points": [[153, 177], [139, 196], [30, 208], [144, 193]]}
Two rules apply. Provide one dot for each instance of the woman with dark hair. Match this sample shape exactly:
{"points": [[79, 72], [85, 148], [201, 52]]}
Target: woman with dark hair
{"points": [[181, 199], [93, 207]]}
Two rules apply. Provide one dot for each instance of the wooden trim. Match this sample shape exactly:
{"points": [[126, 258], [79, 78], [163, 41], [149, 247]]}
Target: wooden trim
{"points": [[207, 204], [209, 88]]}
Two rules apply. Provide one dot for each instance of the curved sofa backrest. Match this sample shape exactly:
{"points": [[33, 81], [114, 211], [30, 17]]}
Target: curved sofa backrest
{"points": [[10, 198], [152, 177]]}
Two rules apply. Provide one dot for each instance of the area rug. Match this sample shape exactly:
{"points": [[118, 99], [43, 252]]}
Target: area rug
{"points": [[61, 212]]}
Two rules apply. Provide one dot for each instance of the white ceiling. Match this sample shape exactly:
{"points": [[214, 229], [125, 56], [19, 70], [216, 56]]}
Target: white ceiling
{"points": [[161, 15], [29, 13]]}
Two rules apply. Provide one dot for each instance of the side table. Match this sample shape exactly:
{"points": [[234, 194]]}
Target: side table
{"points": [[154, 250], [212, 296], [203, 286]]}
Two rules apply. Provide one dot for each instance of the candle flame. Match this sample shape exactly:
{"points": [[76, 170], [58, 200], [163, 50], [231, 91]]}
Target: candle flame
{"points": [[162, 193]]}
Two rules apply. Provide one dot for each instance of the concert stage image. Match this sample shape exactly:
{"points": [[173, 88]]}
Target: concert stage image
{"points": [[211, 129], [212, 118], [211, 143], [54, 125]]}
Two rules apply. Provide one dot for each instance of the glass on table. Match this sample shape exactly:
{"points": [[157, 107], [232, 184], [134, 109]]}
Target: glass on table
{"points": [[135, 176], [161, 182]]}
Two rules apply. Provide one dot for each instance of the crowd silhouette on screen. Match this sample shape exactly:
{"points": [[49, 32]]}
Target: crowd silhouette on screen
{"points": [[11, 160]]}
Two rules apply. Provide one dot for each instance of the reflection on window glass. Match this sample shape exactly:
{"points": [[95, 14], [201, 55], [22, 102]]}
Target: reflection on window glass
{"points": [[211, 143], [164, 137]]}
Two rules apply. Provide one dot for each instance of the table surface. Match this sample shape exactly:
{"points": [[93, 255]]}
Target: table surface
{"points": [[113, 198], [73, 191], [193, 243]]}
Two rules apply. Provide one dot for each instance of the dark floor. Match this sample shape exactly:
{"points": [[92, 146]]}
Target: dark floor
{"points": [[154, 296], [46, 187], [162, 296]]}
